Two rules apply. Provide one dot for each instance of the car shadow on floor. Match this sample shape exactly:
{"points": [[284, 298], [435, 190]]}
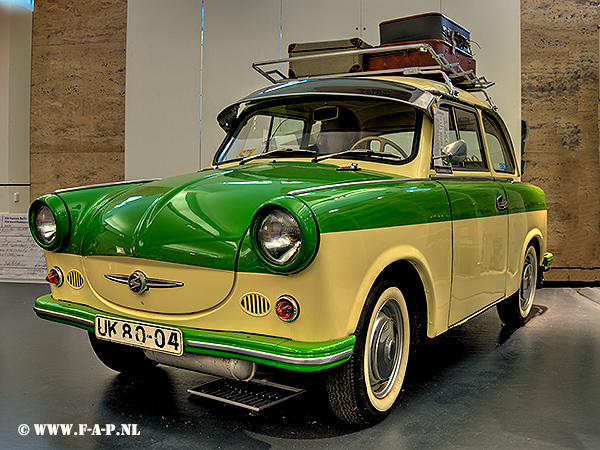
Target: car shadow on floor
{"points": [[160, 404]]}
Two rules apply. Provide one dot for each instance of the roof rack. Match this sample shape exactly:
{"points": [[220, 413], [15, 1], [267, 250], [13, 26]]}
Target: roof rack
{"points": [[452, 73]]}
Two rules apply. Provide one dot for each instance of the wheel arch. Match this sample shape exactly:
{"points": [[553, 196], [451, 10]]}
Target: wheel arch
{"points": [[536, 239], [408, 279], [412, 274]]}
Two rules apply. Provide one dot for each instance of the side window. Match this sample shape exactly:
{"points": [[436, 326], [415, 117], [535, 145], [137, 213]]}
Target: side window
{"points": [[465, 125], [498, 147], [468, 131]]}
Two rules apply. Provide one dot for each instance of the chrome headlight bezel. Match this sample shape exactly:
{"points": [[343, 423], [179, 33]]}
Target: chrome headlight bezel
{"points": [[301, 227], [48, 239]]}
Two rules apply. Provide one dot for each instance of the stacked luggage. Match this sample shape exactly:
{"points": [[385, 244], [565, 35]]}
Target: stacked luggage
{"points": [[429, 41]]}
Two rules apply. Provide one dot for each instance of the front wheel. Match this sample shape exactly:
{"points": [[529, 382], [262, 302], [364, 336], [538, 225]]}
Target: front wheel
{"points": [[515, 310], [363, 390]]}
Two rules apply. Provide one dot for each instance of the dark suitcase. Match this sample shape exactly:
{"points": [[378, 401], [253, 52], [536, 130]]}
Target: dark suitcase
{"points": [[329, 65], [415, 58], [426, 27]]}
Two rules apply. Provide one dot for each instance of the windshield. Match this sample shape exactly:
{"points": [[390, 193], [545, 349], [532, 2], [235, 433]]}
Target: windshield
{"points": [[380, 129]]}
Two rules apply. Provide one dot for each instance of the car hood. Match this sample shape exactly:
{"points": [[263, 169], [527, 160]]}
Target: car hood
{"points": [[200, 219]]}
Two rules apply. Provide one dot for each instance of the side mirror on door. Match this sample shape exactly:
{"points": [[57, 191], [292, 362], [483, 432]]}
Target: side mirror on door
{"points": [[455, 153]]}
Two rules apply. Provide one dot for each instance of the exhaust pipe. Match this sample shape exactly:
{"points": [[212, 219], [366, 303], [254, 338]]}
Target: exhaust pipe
{"points": [[232, 368]]}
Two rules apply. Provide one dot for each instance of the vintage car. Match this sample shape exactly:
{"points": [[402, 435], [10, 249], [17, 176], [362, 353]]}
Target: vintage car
{"points": [[343, 220]]}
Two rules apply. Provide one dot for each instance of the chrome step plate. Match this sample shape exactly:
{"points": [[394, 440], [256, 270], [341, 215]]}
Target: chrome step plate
{"points": [[255, 395]]}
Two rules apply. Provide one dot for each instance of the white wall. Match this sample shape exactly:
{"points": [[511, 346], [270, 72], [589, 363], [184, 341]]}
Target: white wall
{"points": [[162, 92], [162, 121], [15, 88]]}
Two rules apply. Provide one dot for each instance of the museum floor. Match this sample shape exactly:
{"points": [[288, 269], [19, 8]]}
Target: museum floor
{"points": [[479, 386]]}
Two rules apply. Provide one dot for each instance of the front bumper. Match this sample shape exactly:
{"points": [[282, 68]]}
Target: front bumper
{"points": [[271, 351]]}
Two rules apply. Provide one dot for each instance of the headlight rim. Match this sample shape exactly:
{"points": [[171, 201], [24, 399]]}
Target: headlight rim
{"points": [[61, 218], [309, 233]]}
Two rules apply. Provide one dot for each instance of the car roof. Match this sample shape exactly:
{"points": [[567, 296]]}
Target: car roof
{"points": [[419, 92]]}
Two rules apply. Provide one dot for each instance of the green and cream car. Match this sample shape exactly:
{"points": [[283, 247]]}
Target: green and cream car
{"points": [[342, 221]]}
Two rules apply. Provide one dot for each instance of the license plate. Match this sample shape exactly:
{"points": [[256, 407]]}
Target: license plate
{"points": [[150, 337]]}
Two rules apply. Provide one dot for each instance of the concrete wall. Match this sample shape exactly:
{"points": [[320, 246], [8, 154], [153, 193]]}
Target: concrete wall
{"points": [[560, 100], [77, 93]]}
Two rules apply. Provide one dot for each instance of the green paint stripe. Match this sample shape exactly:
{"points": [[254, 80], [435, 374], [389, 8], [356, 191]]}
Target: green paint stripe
{"points": [[411, 202], [73, 314]]}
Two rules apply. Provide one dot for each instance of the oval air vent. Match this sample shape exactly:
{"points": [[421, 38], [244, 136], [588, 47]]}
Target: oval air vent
{"points": [[74, 279], [255, 304]]}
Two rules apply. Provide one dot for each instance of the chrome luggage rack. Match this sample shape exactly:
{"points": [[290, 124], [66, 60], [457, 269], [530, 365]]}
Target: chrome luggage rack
{"points": [[465, 79]]}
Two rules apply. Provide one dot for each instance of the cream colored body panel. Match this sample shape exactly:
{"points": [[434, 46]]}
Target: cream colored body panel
{"points": [[204, 288], [331, 292], [479, 265]]}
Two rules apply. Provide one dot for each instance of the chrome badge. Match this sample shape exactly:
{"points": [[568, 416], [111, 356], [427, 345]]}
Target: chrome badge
{"points": [[137, 282]]}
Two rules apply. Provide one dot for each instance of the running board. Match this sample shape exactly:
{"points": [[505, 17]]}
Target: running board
{"points": [[255, 395]]}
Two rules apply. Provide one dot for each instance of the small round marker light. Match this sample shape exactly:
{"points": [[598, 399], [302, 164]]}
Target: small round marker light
{"points": [[55, 277], [286, 308]]}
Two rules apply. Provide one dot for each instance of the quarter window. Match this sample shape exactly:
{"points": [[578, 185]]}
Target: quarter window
{"points": [[497, 146]]}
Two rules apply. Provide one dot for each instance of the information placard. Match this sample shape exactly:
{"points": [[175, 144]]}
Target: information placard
{"points": [[21, 259]]}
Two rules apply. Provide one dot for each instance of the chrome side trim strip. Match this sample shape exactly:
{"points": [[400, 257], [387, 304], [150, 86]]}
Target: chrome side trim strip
{"points": [[56, 315], [151, 282], [270, 356], [352, 183], [90, 186]]}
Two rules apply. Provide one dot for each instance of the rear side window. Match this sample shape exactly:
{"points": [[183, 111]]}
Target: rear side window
{"points": [[464, 125], [498, 147]]}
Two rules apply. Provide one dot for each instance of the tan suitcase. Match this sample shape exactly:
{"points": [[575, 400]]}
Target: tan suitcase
{"points": [[329, 65]]}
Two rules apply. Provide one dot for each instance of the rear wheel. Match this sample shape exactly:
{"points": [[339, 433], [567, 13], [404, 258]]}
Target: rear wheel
{"points": [[363, 390], [515, 310], [119, 357]]}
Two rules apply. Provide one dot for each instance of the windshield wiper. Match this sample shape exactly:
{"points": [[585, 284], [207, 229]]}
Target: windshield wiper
{"points": [[358, 152], [285, 151]]}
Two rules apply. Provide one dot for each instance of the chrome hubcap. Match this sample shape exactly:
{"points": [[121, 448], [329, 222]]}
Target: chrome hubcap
{"points": [[528, 283], [386, 344]]}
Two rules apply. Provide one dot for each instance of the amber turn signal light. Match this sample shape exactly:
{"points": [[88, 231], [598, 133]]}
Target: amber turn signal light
{"points": [[55, 277], [287, 308]]}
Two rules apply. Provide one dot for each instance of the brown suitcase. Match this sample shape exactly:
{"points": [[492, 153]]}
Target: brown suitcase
{"points": [[415, 58], [329, 65]]}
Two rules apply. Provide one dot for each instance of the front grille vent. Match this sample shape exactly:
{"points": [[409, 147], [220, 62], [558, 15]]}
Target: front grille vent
{"points": [[74, 279], [256, 304]]}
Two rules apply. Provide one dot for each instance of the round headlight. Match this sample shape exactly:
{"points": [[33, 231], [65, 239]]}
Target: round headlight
{"points": [[45, 225], [49, 222], [279, 237]]}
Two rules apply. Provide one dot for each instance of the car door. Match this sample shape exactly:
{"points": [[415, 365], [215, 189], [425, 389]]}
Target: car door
{"points": [[479, 221]]}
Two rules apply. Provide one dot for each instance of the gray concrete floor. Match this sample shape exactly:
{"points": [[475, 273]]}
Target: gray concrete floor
{"points": [[479, 386]]}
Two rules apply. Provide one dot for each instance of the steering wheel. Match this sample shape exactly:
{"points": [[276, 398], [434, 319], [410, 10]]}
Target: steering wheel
{"points": [[383, 141]]}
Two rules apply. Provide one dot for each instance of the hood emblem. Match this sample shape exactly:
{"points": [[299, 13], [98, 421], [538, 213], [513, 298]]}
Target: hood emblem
{"points": [[138, 283]]}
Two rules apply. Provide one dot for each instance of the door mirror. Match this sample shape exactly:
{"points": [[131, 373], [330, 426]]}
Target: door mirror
{"points": [[455, 153]]}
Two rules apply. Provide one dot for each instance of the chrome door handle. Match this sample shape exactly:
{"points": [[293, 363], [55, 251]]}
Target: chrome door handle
{"points": [[501, 203]]}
